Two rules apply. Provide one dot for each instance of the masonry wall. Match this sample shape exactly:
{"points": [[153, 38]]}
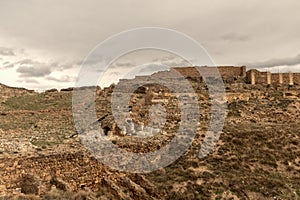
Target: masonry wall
{"points": [[225, 71], [286, 78], [297, 78], [275, 78], [252, 76], [187, 71], [261, 78], [232, 71]]}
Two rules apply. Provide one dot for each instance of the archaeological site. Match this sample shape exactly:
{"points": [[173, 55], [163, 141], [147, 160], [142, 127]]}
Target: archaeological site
{"points": [[256, 155]]}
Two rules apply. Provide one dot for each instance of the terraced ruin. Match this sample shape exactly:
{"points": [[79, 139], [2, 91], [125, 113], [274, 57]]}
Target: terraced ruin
{"points": [[256, 157]]}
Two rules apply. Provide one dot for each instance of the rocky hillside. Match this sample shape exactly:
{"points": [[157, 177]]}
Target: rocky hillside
{"points": [[256, 157], [7, 92]]}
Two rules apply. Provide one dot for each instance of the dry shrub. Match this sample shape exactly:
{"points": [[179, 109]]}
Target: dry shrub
{"points": [[29, 184]]}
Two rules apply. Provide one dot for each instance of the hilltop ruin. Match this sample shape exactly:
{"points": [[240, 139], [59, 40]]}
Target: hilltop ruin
{"points": [[42, 155], [231, 74]]}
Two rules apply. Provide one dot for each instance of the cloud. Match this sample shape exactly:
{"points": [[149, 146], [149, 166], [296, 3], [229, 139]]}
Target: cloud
{"points": [[61, 32], [7, 66], [35, 68], [61, 79], [291, 61], [114, 73], [63, 66], [20, 62], [28, 61], [282, 69], [28, 80], [38, 70], [7, 51], [123, 64], [234, 37], [171, 61]]}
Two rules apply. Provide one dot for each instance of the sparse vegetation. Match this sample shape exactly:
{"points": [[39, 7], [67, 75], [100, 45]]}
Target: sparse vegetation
{"points": [[257, 155]]}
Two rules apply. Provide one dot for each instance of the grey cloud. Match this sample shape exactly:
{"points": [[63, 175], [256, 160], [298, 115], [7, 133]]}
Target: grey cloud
{"points": [[65, 78], [164, 59], [7, 51], [152, 68], [172, 61], [67, 65], [234, 37], [28, 61], [20, 62], [275, 62], [34, 71], [180, 63], [124, 64], [29, 80], [63, 32], [154, 65], [11, 65], [34, 68], [283, 69], [114, 73]]}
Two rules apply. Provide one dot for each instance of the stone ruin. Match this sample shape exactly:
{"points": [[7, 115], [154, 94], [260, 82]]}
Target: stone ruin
{"points": [[80, 170], [230, 75], [255, 77]]}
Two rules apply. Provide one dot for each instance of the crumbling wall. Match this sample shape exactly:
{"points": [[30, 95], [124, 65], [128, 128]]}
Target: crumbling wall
{"points": [[261, 78], [286, 78], [275, 78], [254, 76], [187, 71], [225, 71], [231, 71], [76, 169], [297, 78]]}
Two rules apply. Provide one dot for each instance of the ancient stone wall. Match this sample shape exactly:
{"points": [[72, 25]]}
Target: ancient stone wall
{"points": [[285, 78], [232, 71], [297, 78], [261, 78], [256, 77], [187, 71], [239, 73], [225, 71], [275, 78]]}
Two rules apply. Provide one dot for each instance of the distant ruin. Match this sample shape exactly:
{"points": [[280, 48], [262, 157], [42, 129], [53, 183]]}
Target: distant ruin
{"points": [[256, 77], [229, 74]]}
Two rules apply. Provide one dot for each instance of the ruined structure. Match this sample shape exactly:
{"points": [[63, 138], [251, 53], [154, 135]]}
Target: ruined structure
{"points": [[267, 78], [229, 74], [41, 153]]}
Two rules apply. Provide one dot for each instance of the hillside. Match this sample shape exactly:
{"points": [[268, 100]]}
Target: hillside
{"points": [[7, 92], [257, 155]]}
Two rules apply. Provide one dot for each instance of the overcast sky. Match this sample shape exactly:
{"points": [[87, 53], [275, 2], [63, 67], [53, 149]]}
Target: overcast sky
{"points": [[42, 43]]}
